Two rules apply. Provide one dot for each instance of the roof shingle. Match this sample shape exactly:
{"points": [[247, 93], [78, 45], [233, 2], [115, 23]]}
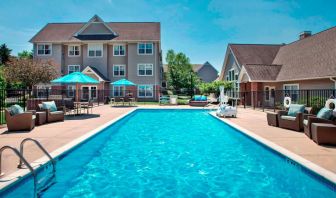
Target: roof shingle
{"points": [[130, 31], [260, 72]]}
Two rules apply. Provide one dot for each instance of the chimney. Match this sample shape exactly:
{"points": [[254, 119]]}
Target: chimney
{"points": [[305, 34]]}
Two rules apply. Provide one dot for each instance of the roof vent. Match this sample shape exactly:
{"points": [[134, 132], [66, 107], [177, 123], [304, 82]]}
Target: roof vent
{"points": [[305, 34]]}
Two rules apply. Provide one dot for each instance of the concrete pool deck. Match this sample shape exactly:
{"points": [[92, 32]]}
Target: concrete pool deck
{"points": [[55, 135]]}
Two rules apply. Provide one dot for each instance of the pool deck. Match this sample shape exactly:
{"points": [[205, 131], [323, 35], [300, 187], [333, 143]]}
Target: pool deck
{"points": [[55, 135]]}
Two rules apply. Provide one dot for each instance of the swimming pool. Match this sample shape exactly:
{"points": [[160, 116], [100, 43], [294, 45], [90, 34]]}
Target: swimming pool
{"points": [[171, 153]]}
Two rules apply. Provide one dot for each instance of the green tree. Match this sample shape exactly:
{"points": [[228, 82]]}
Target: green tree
{"points": [[28, 72], [180, 73], [25, 54], [213, 87], [4, 53]]}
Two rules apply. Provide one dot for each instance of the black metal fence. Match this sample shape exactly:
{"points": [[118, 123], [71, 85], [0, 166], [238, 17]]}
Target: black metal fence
{"points": [[265, 100]]}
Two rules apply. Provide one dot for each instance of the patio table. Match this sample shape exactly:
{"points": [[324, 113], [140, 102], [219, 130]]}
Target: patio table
{"points": [[78, 106], [131, 101]]}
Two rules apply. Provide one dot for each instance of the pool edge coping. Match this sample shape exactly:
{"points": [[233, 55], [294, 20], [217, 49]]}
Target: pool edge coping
{"points": [[317, 169], [14, 177]]}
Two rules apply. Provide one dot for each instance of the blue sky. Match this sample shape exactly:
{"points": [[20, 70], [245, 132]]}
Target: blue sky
{"points": [[199, 28]]}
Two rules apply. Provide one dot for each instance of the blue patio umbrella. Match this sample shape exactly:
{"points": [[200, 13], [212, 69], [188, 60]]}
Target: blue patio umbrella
{"points": [[76, 78], [123, 82]]}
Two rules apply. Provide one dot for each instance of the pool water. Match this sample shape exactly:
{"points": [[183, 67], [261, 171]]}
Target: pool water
{"points": [[176, 153]]}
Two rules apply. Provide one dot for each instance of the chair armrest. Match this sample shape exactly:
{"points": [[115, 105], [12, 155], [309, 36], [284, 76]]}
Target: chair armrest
{"points": [[33, 111], [61, 108], [313, 119], [306, 115], [299, 117], [282, 112], [25, 115]]}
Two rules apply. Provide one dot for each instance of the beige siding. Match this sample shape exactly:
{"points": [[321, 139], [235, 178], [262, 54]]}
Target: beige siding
{"points": [[207, 73], [134, 59], [305, 84], [96, 28], [98, 62], [55, 57], [231, 64], [121, 60], [68, 60]]}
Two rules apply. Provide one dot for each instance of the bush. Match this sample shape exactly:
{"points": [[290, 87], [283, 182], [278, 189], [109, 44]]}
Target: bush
{"points": [[213, 87]]}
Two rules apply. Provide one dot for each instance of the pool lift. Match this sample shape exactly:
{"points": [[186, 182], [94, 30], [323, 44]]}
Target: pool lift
{"points": [[224, 109]]}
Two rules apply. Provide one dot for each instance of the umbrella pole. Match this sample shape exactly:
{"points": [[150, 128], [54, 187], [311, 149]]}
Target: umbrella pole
{"points": [[77, 92]]}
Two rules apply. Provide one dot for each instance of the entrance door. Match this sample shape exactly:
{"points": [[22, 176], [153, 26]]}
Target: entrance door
{"points": [[272, 95], [89, 93]]}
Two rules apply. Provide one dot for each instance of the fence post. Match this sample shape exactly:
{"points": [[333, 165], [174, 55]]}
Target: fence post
{"points": [[24, 100], [274, 99], [47, 91]]}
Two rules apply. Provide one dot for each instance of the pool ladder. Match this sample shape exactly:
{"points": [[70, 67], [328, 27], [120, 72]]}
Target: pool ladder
{"points": [[23, 162]]}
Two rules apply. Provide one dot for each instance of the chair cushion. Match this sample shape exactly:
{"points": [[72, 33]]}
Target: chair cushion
{"points": [[49, 105], [325, 113], [34, 117], [203, 98], [305, 122], [295, 109], [15, 109], [197, 98], [291, 118], [56, 112]]}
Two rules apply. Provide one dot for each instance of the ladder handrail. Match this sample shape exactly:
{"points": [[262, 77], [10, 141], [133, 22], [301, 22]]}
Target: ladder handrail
{"points": [[22, 159], [43, 150]]}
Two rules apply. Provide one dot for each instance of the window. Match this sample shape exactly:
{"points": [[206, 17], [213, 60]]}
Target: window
{"points": [[145, 48], [74, 50], [232, 76], [119, 50], [93, 93], [145, 69], [95, 50], [267, 94], [73, 68], [43, 49], [71, 90], [292, 90], [118, 91], [145, 91], [119, 70], [164, 84]]}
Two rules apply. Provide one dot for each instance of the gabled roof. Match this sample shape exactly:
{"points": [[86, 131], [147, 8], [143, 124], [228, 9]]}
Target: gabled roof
{"points": [[308, 58], [261, 72], [127, 31], [254, 53], [195, 67], [94, 70]]}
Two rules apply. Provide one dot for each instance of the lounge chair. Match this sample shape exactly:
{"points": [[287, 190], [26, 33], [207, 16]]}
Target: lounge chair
{"points": [[325, 115], [164, 100], [54, 113], [293, 118], [20, 121], [199, 101]]}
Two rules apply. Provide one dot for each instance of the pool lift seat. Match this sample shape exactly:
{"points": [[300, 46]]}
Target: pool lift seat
{"points": [[24, 163]]}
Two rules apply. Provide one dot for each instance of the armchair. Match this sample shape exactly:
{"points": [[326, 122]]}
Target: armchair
{"points": [[19, 122]]}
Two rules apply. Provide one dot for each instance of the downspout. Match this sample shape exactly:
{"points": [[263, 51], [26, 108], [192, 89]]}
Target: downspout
{"points": [[334, 80]]}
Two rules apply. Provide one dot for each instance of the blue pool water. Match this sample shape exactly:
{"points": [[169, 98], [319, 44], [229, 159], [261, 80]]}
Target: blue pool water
{"points": [[176, 153]]}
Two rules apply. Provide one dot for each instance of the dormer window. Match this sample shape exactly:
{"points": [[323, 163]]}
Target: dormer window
{"points": [[145, 48], [74, 50], [43, 49], [95, 50]]}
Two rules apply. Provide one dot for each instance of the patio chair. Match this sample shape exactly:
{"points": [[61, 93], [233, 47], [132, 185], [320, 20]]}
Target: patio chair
{"points": [[88, 106], [22, 121], [325, 115], [293, 118], [69, 107], [164, 100], [53, 115], [199, 101]]}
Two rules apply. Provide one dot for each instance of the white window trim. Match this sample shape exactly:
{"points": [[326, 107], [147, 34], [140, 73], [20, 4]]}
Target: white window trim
{"points": [[145, 91], [123, 93], [73, 66], [119, 70], [145, 69], [89, 86], [102, 50], [295, 84], [51, 51], [145, 54], [79, 47], [119, 52]]}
